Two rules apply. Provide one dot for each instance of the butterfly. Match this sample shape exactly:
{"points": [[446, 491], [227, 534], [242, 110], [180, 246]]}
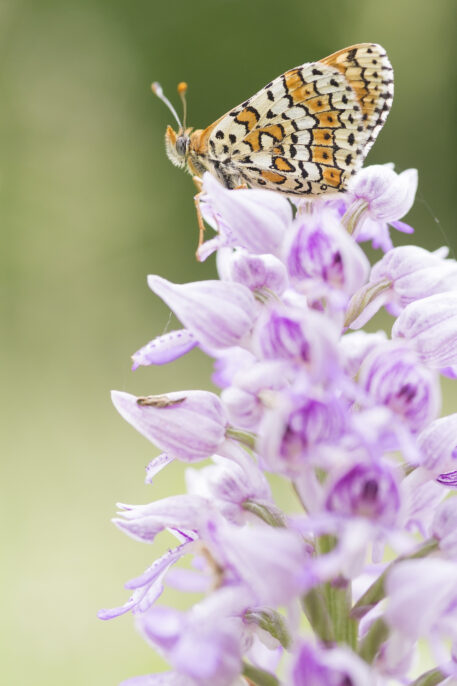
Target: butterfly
{"points": [[303, 134]]}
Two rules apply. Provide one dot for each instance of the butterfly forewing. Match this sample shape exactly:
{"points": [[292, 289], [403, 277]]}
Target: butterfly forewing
{"points": [[308, 130], [368, 71]]}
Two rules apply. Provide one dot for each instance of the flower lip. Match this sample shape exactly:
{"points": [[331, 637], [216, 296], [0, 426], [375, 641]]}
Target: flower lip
{"points": [[164, 349], [365, 490]]}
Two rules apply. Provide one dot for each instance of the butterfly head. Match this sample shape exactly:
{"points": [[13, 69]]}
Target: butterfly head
{"points": [[176, 142], [177, 145]]}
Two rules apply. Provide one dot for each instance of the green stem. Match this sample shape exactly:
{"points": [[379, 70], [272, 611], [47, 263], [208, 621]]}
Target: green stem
{"points": [[431, 678], [258, 677], [338, 600], [316, 610], [243, 437], [376, 636], [271, 621], [377, 590], [269, 515]]}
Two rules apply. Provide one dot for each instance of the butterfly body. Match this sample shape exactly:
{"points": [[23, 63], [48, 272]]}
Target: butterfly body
{"points": [[305, 133]]}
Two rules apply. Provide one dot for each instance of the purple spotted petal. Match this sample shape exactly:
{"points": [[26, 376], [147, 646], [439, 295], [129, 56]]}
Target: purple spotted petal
{"points": [[164, 349], [256, 272]]}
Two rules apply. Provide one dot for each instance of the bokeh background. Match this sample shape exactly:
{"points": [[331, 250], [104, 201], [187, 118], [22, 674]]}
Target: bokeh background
{"points": [[89, 206]]}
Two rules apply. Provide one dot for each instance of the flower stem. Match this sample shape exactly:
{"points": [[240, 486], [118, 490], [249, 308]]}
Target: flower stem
{"points": [[377, 634], [431, 678], [339, 605], [243, 437], [273, 517], [377, 590], [315, 608], [258, 677], [338, 600]]}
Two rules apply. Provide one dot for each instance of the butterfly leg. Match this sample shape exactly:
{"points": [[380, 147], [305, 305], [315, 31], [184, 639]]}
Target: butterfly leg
{"points": [[201, 225], [198, 181]]}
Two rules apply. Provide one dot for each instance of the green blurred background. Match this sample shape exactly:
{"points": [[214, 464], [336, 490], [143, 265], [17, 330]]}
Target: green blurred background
{"points": [[89, 206]]}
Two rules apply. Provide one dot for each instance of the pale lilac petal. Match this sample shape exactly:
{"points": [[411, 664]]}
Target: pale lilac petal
{"points": [[438, 445], [118, 611], [158, 567], [319, 250], [357, 345], [305, 337], [256, 272], [389, 195], [234, 480], [219, 314], [144, 522], [403, 227], [203, 643], [444, 526], [228, 363], [415, 273], [164, 349], [156, 465], [188, 425], [415, 608], [252, 219], [392, 375], [430, 325], [162, 679], [338, 666], [252, 550], [365, 490], [420, 497], [188, 581]]}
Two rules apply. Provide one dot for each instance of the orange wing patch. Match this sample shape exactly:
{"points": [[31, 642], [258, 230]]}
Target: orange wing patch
{"points": [[273, 176], [249, 117], [322, 137], [328, 119], [322, 155], [332, 176], [318, 104], [293, 79], [282, 164]]}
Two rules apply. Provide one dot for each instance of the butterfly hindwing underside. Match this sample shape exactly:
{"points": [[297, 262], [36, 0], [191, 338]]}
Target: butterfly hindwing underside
{"points": [[304, 133]]}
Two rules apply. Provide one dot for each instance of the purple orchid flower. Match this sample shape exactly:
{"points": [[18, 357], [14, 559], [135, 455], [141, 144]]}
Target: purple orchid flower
{"points": [[324, 448]]}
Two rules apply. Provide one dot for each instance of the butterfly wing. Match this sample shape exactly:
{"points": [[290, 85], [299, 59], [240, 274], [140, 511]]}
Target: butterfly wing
{"points": [[307, 131], [367, 69]]}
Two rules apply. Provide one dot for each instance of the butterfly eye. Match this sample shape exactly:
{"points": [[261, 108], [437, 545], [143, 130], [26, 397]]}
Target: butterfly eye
{"points": [[181, 145]]}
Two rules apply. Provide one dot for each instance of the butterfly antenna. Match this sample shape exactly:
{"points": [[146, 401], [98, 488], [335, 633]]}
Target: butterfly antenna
{"points": [[182, 90], [157, 90]]}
